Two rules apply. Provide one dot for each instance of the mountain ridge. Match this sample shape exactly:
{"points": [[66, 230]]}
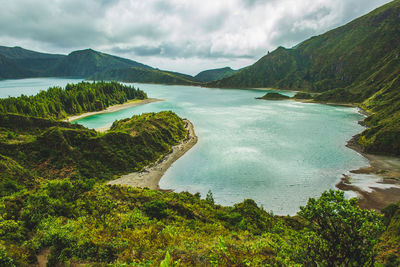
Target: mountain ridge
{"points": [[140, 75], [214, 74], [26, 63], [356, 63]]}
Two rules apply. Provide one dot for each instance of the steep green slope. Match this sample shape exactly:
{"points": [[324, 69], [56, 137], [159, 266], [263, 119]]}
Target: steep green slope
{"points": [[84, 63], [46, 149], [358, 63], [10, 70], [37, 63], [388, 248], [21, 53], [337, 59], [214, 74], [141, 75], [54, 205]]}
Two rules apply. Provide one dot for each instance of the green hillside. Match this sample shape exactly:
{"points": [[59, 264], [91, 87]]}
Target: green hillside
{"points": [[10, 70], [274, 96], [337, 59], [214, 74], [21, 53], [17, 62], [46, 149], [56, 208], [141, 75], [29, 63], [54, 204], [84, 63], [358, 63]]}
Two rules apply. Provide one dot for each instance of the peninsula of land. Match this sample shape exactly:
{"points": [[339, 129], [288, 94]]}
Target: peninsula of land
{"points": [[151, 176]]}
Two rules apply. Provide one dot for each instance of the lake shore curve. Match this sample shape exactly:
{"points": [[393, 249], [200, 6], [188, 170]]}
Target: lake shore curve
{"points": [[113, 108], [151, 176]]}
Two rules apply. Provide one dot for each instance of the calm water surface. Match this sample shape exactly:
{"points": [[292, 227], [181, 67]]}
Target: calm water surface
{"points": [[278, 153]]}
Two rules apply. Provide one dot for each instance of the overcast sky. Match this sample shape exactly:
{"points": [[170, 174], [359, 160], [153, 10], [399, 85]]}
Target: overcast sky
{"points": [[180, 35]]}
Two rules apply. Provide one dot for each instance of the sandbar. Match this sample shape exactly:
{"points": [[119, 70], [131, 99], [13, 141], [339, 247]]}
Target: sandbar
{"points": [[114, 108]]}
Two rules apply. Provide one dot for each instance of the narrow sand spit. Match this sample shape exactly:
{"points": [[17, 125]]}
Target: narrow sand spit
{"points": [[151, 176], [114, 108]]}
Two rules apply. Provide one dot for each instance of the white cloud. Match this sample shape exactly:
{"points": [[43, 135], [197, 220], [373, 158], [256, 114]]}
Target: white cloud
{"points": [[180, 35]]}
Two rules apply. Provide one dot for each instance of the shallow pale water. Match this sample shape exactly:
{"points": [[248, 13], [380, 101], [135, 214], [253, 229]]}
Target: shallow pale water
{"points": [[279, 153]]}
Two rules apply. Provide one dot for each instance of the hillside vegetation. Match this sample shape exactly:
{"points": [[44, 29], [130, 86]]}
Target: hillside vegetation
{"points": [[30, 63], [357, 63], [9, 69], [17, 62], [141, 75], [49, 149], [86, 62], [55, 205], [214, 74], [58, 103]]}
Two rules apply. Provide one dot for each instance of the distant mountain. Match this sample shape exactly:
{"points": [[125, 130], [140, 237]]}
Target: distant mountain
{"points": [[9, 70], [21, 53], [340, 58], [86, 62], [142, 75], [356, 63], [18, 62], [214, 74], [29, 63]]}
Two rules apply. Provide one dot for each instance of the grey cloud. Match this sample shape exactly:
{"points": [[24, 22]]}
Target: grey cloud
{"points": [[235, 30], [139, 50], [172, 50], [252, 3]]}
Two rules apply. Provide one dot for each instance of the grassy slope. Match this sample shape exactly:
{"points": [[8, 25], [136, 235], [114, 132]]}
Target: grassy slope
{"points": [[54, 197], [22, 63], [274, 96], [336, 59], [389, 249], [50, 149], [141, 75], [9, 69], [35, 62], [84, 63], [214, 74], [357, 63]]}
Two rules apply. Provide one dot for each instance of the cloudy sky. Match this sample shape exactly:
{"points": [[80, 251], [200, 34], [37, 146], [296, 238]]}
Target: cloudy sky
{"points": [[181, 35]]}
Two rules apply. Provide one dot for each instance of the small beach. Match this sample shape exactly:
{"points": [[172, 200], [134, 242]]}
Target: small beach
{"points": [[114, 108], [377, 185], [151, 176]]}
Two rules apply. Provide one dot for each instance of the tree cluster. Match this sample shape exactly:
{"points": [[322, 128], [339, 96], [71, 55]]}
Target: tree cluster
{"points": [[58, 103]]}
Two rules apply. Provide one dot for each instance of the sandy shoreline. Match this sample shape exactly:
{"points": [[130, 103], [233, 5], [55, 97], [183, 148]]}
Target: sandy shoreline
{"points": [[113, 108], [378, 185], [152, 175]]}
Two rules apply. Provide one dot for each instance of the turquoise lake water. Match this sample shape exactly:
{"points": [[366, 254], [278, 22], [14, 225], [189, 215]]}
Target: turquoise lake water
{"points": [[279, 153]]}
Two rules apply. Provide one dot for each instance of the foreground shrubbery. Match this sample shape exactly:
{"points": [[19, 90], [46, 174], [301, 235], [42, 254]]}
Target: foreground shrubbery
{"points": [[114, 224], [54, 204]]}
